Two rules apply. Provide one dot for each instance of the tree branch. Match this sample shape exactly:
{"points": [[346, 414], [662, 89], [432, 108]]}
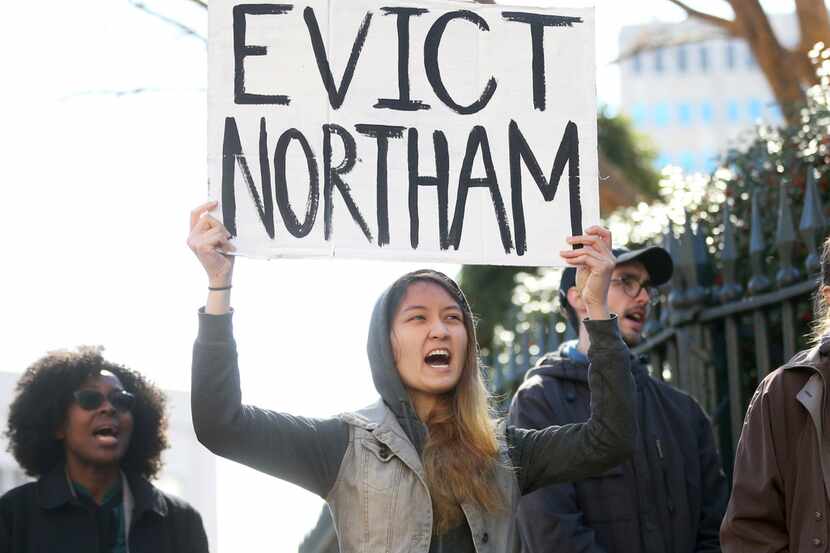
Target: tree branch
{"points": [[728, 25], [181, 26]]}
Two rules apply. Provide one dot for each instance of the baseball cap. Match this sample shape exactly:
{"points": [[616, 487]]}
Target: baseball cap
{"points": [[655, 259]]}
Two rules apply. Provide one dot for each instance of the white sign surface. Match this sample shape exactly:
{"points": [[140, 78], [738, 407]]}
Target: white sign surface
{"points": [[439, 131]]}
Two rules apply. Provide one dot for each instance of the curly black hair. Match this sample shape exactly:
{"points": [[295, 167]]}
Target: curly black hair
{"points": [[44, 394]]}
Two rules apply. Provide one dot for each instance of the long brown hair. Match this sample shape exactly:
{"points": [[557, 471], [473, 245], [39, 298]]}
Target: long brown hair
{"points": [[821, 320], [461, 452]]}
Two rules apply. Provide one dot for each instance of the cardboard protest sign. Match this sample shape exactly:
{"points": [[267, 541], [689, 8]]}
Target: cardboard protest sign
{"points": [[443, 131]]}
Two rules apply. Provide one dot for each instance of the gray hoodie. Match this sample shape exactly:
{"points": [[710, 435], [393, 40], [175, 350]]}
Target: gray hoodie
{"points": [[308, 452]]}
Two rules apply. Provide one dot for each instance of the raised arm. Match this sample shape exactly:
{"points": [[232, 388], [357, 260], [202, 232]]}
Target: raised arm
{"points": [[549, 519], [304, 451], [575, 451], [209, 240], [571, 452]]}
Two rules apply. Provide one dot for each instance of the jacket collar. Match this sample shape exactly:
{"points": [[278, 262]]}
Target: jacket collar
{"points": [[812, 359], [54, 491], [146, 497]]}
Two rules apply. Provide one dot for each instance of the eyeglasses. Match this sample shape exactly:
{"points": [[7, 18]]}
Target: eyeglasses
{"points": [[90, 400], [632, 287]]}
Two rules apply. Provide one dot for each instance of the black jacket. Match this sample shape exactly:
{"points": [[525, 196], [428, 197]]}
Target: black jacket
{"points": [[669, 498], [44, 516]]}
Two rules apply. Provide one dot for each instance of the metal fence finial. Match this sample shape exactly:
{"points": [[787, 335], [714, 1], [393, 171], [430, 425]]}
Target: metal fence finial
{"points": [[731, 289], [785, 239], [812, 223], [677, 295], [757, 250]]}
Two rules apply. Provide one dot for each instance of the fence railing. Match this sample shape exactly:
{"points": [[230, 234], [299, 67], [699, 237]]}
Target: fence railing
{"points": [[723, 322], [717, 329]]}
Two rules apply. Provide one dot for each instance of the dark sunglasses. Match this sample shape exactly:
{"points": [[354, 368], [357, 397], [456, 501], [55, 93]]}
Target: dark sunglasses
{"points": [[90, 400]]}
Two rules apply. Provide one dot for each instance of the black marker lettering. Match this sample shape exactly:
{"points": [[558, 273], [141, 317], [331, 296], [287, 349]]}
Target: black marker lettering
{"points": [[231, 155], [537, 23], [292, 224], [440, 181], [433, 41], [336, 94], [403, 102], [382, 134], [241, 50], [332, 178], [478, 140], [568, 152]]}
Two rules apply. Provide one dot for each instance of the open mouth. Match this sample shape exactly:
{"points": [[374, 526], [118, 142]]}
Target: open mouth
{"points": [[106, 435], [438, 358], [636, 316]]}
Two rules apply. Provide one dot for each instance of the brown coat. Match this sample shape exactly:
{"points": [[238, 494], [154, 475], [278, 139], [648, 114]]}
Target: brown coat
{"points": [[781, 484]]}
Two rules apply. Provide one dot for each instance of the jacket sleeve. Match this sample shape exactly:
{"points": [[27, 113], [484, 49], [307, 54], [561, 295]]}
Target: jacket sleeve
{"points": [[575, 451], [715, 491], [549, 519], [755, 520], [304, 451], [5, 529], [198, 542]]}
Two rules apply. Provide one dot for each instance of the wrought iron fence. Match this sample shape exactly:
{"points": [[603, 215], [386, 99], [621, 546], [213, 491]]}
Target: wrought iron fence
{"points": [[724, 321], [710, 334]]}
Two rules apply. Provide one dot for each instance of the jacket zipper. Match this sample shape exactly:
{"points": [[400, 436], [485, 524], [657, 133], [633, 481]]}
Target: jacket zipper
{"points": [[669, 499]]}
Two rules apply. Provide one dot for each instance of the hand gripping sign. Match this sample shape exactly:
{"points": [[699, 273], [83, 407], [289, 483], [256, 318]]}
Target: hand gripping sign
{"points": [[438, 131]]}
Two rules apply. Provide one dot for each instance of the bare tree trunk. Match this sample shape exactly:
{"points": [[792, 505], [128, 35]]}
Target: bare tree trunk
{"points": [[783, 76], [786, 71]]}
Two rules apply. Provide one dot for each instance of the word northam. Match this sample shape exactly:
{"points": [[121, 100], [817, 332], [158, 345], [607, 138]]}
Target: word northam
{"points": [[404, 102], [334, 171]]}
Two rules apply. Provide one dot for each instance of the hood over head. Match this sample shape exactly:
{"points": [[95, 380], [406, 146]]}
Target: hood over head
{"points": [[379, 348]]}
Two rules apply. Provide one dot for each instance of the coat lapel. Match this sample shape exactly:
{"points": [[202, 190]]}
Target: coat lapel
{"points": [[811, 397]]}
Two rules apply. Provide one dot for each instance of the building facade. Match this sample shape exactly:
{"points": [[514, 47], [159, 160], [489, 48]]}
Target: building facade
{"points": [[189, 469], [693, 90]]}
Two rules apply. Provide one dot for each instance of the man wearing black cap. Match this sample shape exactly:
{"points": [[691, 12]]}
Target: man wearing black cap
{"points": [[671, 495]]}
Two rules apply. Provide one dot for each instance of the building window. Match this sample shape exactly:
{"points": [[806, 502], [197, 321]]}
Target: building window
{"points": [[662, 161], [775, 112], [639, 115], [682, 61], [733, 111], [750, 58], [707, 112], [661, 115], [636, 63], [710, 162], [687, 162], [730, 55], [704, 59], [755, 109], [658, 60], [684, 114]]}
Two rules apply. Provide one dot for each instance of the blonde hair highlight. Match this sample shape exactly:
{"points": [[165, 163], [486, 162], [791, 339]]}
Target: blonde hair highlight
{"points": [[821, 310], [461, 453]]}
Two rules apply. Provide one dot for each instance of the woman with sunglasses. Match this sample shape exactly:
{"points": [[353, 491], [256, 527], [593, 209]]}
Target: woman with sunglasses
{"points": [[92, 432], [426, 468]]}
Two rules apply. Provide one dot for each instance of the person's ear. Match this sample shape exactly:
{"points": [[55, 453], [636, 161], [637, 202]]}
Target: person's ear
{"points": [[576, 302], [60, 432], [825, 292]]}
